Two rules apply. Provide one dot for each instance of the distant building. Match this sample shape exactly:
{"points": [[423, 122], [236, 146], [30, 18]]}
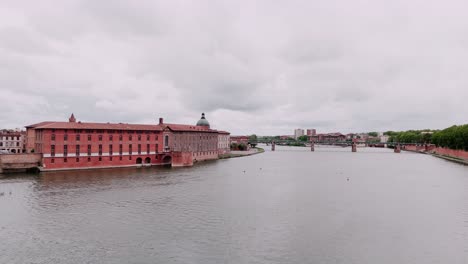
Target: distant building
{"points": [[384, 138], [240, 140], [330, 137], [311, 132], [11, 141], [298, 133], [224, 144], [350, 136], [286, 137]]}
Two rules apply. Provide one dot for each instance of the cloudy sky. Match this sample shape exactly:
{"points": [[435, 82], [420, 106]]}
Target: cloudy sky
{"points": [[262, 67]]}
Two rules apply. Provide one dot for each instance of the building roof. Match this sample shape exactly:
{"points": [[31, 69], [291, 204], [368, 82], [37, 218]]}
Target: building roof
{"points": [[86, 125], [189, 128], [73, 124], [330, 135]]}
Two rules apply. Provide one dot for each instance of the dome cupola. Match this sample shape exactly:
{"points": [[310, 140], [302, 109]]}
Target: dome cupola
{"points": [[203, 121]]}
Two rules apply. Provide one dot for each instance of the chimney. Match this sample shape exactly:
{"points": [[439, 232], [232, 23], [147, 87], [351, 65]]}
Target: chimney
{"points": [[161, 120]]}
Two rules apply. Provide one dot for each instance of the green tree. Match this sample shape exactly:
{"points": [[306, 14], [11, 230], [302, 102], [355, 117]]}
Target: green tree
{"points": [[373, 134], [303, 138], [253, 141], [242, 146]]}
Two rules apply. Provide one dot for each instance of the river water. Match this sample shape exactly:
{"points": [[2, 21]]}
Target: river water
{"points": [[287, 206]]}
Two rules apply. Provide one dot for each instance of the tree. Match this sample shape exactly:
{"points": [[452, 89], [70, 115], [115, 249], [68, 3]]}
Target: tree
{"points": [[373, 134], [242, 146], [253, 141], [303, 138], [234, 146]]}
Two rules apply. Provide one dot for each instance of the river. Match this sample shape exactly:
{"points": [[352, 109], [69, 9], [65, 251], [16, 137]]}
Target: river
{"points": [[287, 206]]}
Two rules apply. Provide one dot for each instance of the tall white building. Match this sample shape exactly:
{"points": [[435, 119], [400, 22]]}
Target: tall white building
{"points": [[298, 132]]}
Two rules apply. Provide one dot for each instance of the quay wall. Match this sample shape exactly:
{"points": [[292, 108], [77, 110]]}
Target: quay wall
{"points": [[19, 161], [460, 154]]}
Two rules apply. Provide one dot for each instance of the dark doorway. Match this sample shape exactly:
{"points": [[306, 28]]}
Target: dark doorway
{"points": [[139, 161], [167, 160], [148, 160]]}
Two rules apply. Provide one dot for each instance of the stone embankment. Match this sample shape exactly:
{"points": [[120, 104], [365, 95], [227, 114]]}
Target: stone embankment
{"points": [[19, 162], [459, 156], [236, 154]]}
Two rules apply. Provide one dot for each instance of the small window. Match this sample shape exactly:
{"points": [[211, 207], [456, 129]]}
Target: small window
{"points": [[78, 137], [129, 157], [110, 158], [100, 137], [100, 158], [65, 160], [52, 137], [77, 159], [139, 137], [111, 137], [89, 137], [52, 161], [120, 137], [147, 137], [130, 137], [120, 157], [65, 137], [89, 159]]}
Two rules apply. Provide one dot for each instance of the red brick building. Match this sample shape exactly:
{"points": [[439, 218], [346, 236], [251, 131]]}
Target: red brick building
{"points": [[75, 145]]}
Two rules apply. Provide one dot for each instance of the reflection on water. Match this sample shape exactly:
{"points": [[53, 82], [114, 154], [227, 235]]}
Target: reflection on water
{"points": [[287, 206]]}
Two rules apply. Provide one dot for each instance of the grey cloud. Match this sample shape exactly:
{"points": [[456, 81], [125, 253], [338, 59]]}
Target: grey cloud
{"points": [[254, 67]]}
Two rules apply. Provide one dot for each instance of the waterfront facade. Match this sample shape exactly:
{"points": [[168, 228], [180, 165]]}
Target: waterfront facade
{"points": [[75, 145]]}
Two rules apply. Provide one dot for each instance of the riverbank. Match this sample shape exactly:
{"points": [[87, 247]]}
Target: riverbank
{"points": [[449, 158], [237, 154], [458, 156]]}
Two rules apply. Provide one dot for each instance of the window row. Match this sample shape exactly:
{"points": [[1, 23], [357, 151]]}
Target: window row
{"points": [[111, 149], [89, 159], [100, 137], [110, 131]]}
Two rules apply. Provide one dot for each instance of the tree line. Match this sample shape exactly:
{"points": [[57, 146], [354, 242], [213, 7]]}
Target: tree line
{"points": [[454, 137]]}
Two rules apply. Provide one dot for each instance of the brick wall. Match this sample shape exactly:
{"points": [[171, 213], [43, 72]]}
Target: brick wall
{"points": [[451, 152], [437, 150], [20, 158]]}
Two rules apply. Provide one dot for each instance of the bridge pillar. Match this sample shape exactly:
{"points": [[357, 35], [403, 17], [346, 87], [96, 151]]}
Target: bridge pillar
{"points": [[353, 147], [312, 146], [272, 146], [397, 149]]}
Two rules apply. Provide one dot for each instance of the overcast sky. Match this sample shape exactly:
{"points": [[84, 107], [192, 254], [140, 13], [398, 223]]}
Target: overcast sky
{"points": [[262, 67]]}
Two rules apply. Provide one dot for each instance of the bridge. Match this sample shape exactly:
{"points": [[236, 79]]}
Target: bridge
{"points": [[353, 144]]}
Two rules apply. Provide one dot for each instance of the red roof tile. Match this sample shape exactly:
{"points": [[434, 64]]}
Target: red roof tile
{"points": [[85, 125], [180, 127]]}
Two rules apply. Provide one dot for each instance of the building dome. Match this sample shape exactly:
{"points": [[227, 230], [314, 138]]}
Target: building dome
{"points": [[203, 121]]}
